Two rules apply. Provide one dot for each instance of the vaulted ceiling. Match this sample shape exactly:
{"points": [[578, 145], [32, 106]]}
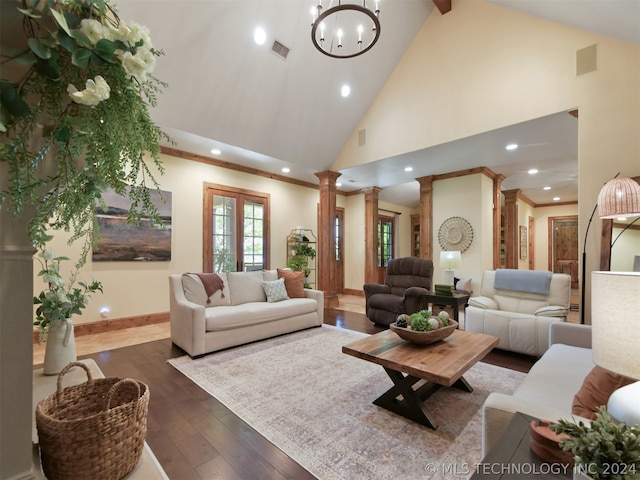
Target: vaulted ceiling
{"points": [[266, 112]]}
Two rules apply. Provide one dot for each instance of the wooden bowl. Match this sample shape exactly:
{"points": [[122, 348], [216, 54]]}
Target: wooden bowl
{"points": [[424, 338]]}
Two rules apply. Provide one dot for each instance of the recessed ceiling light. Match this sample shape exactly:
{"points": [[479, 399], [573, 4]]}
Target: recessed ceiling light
{"points": [[408, 169], [511, 146], [345, 91], [622, 219], [259, 36], [286, 169], [215, 151], [546, 188], [555, 199], [532, 171], [338, 184]]}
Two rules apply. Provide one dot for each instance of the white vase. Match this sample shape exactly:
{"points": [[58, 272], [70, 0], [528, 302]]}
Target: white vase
{"points": [[61, 346]]}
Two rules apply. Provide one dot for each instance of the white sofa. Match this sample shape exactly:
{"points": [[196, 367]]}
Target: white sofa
{"points": [[548, 390], [520, 319], [238, 313]]}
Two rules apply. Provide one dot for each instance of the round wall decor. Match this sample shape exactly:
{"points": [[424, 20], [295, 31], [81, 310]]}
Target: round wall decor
{"points": [[455, 233]]}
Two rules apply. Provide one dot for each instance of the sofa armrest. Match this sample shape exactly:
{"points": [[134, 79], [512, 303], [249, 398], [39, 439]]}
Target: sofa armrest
{"points": [[498, 409], [415, 292], [318, 296], [570, 334], [373, 288], [552, 311], [484, 302], [187, 319]]}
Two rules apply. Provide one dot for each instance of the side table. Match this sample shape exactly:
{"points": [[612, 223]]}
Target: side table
{"points": [[511, 457], [454, 301]]}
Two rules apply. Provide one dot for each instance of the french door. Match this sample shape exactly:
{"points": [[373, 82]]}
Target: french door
{"points": [[236, 224]]}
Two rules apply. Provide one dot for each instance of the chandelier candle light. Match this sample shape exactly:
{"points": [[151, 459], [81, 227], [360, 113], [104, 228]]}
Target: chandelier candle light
{"points": [[345, 30]]}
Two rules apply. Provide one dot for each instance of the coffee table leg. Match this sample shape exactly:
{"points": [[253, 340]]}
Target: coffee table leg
{"points": [[462, 384], [411, 405]]}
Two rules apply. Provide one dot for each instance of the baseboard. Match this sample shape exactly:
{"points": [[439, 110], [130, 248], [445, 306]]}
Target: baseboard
{"points": [[352, 291], [103, 326]]}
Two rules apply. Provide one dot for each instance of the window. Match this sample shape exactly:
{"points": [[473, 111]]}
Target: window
{"points": [[235, 226], [385, 240]]}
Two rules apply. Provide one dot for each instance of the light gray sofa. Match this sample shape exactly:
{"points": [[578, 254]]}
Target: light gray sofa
{"points": [[238, 313], [520, 319], [547, 391]]}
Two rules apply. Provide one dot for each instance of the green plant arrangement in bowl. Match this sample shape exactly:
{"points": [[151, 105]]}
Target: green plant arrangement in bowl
{"points": [[75, 95], [423, 327], [604, 450]]}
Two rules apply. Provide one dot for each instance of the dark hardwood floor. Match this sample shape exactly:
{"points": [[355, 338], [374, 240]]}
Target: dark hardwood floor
{"points": [[196, 437]]}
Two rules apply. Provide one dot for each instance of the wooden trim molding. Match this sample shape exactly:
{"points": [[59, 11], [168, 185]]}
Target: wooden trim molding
{"points": [[353, 291], [103, 326]]}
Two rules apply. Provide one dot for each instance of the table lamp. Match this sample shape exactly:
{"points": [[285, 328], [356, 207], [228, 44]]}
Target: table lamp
{"points": [[450, 260], [615, 320]]}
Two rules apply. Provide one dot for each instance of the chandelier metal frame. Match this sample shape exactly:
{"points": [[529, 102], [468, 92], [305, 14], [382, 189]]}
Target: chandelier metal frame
{"points": [[335, 10]]}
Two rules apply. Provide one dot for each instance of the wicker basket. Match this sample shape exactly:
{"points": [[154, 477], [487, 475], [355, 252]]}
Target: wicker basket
{"points": [[94, 430]]}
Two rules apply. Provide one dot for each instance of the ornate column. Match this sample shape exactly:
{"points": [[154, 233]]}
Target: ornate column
{"points": [[497, 218], [426, 216], [371, 234], [326, 261]]}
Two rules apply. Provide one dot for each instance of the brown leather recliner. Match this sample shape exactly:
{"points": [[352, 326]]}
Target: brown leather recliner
{"points": [[408, 280]]}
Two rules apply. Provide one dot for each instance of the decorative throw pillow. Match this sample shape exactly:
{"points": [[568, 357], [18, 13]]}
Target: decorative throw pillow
{"points": [[463, 285], [596, 389], [293, 282], [275, 291]]}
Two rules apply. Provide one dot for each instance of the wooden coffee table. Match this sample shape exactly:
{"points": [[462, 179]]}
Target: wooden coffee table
{"points": [[440, 364]]}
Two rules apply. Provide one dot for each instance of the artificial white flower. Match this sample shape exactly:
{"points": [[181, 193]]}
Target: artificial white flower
{"points": [[138, 65], [93, 29], [131, 33], [95, 91], [48, 255]]}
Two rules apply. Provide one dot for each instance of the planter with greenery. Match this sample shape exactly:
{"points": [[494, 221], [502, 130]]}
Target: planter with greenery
{"points": [[299, 261], [603, 450], [75, 94]]}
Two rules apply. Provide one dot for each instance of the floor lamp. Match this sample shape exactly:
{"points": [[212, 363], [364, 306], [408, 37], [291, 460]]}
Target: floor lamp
{"points": [[618, 197]]}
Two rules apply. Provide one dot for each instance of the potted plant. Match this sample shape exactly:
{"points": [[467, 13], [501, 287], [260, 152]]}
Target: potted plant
{"points": [[75, 94], [57, 303], [300, 259], [603, 450]]}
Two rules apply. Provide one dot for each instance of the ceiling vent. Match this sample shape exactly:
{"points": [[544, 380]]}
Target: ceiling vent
{"points": [[280, 50]]}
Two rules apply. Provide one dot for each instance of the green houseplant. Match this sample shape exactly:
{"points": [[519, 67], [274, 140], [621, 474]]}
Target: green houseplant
{"points": [[299, 261], [603, 450], [60, 300], [75, 94]]}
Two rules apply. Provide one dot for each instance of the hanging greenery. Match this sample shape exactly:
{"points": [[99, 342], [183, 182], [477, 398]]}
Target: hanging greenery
{"points": [[74, 117]]}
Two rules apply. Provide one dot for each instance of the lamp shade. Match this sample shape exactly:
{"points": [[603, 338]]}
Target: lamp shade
{"points": [[619, 197], [615, 309], [450, 259]]}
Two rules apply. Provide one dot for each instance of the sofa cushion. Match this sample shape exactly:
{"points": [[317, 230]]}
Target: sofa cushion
{"points": [[246, 287], [275, 291], [256, 313], [556, 377], [519, 304], [483, 302], [293, 282], [194, 291], [596, 389], [269, 275]]}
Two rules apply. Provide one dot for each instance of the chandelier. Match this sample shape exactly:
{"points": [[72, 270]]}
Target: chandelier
{"points": [[345, 30]]}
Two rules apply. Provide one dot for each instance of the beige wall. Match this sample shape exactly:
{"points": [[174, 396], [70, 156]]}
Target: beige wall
{"points": [[626, 247], [132, 288], [482, 67]]}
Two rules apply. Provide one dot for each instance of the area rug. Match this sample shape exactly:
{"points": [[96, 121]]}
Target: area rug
{"points": [[314, 403]]}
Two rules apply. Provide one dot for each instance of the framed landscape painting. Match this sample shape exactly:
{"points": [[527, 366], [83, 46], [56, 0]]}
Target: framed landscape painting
{"points": [[145, 242]]}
